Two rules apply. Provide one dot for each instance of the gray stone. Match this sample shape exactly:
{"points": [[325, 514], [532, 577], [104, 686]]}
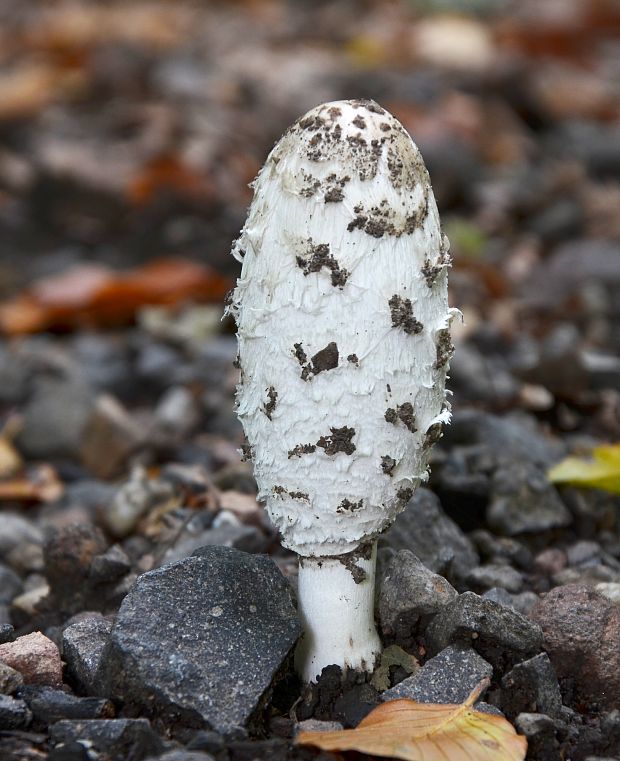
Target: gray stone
{"points": [[522, 603], [540, 731], [16, 530], [201, 640], [112, 565], [500, 635], [10, 679], [585, 551], [432, 536], [532, 687], [10, 585], [54, 419], [183, 755], [492, 575], [237, 535], [410, 593], [49, 705], [501, 550], [315, 725], [449, 677], [83, 644], [523, 501], [111, 738], [14, 714]]}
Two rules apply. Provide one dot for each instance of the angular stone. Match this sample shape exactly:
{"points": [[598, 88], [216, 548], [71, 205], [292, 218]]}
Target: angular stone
{"points": [[500, 635], [35, 657], [581, 631], [111, 738], [49, 706], [540, 731], [14, 714], [449, 677], [410, 593], [532, 687], [492, 575], [200, 641], [83, 644], [433, 537], [522, 603], [10, 679], [523, 501], [10, 585]]}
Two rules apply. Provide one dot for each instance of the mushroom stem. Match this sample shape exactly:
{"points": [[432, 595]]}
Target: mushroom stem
{"points": [[336, 605]]}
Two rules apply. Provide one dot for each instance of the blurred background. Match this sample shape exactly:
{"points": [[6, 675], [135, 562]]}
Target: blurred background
{"points": [[129, 133]]}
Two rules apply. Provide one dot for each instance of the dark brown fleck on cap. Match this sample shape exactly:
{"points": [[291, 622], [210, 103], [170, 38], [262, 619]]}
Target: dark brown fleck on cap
{"points": [[445, 348], [326, 359], [270, 406], [404, 413], [339, 441], [402, 315], [300, 449], [388, 464]]}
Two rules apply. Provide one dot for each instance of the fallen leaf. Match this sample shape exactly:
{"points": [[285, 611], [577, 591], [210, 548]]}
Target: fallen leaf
{"points": [[39, 484], [167, 173], [413, 731], [10, 461], [93, 295], [28, 88], [601, 472]]}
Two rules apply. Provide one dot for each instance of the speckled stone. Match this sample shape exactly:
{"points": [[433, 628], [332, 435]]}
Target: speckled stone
{"points": [[449, 677], [199, 641]]}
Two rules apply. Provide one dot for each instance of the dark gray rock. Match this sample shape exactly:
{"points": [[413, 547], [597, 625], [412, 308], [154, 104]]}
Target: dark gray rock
{"points": [[112, 565], [14, 714], [432, 536], [239, 536], [10, 585], [54, 419], [500, 635], [409, 595], [493, 575], [506, 439], [83, 644], [581, 634], [502, 550], [7, 633], [183, 755], [49, 705], [201, 640], [532, 687], [449, 677], [117, 739], [522, 603], [523, 501], [476, 376], [354, 704], [540, 731]]}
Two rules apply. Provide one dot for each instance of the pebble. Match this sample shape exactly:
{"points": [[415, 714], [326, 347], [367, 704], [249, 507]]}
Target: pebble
{"points": [[426, 530], [35, 657], [183, 755], [230, 534], [355, 703], [189, 630], [610, 590], [135, 498], [49, 705], [492, 575], [177, 413], [110, 436], [581, 631], [16, 531], [550, 561], [112, 565], [54, 419], [83, 644], [522, 602], [10, 679], [523, 501], [7, 633], [499, 634], [10, 585], [112, 738], [410, 593], [501, 549], [14, 713], [449, 677], [540, 731], [531, 687], [315, 725]]}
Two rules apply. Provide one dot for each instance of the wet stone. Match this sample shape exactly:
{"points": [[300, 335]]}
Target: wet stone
{"points": [[500, 635], [114, 738], [449, 677], [175, 648]]}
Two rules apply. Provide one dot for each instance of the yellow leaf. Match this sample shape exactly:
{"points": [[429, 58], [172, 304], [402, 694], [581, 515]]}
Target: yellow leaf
{"points": [[601, 472], [415, 731]]}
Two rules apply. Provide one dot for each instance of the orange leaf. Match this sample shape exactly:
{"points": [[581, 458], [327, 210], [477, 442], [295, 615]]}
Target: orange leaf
{"points": [[96, 296], [39, 484], [414, 731]]}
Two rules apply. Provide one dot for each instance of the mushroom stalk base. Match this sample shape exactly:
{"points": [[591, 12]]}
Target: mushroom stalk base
{"points": [[337, 614]]}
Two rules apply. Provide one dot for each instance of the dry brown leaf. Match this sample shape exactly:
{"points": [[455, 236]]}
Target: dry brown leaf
{"points": [[38, 484], [96, 296], [10, 461], [27, 89], [414, 731]]}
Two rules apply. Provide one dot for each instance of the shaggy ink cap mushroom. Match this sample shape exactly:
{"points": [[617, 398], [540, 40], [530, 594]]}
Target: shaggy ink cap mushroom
{"points": [[343, 327]]}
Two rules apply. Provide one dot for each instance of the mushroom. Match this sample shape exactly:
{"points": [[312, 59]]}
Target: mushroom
{"points": [[343, 327]]}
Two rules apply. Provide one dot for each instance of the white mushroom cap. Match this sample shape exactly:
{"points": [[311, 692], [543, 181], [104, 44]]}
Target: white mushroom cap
{"points": [[343, 317]]}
